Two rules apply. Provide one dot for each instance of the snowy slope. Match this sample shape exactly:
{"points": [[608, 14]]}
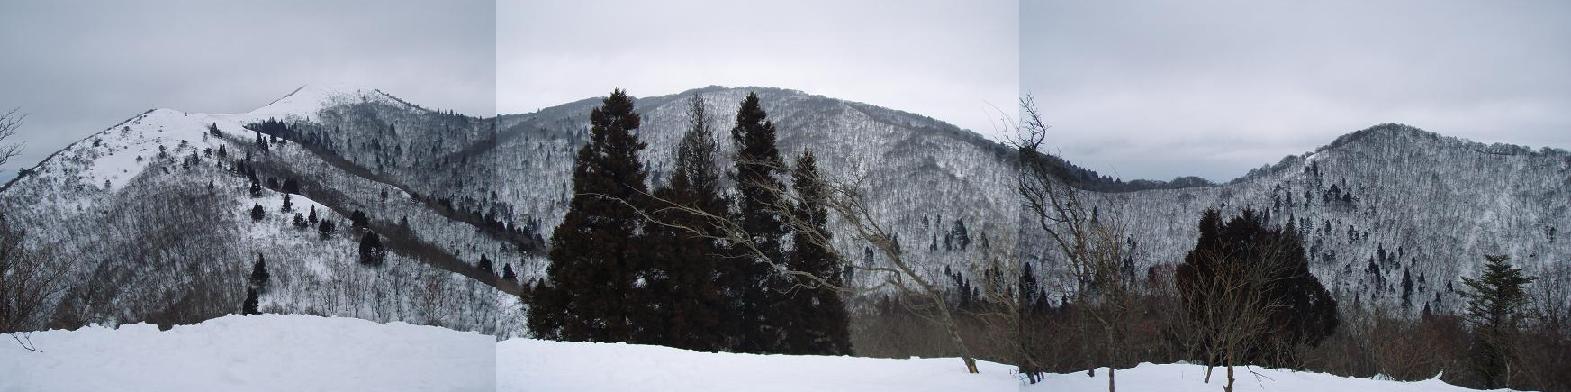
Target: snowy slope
{"points": [[153, 223], [255, 353]]}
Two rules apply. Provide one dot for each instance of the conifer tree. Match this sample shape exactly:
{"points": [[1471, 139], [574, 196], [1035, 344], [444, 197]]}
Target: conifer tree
{"points": [[257, 213], [508, 274], [689, 307], [1495, 300], [249, 307], [486, 268], [259, 278], [371, 249], [288, 206], [312, 217], [359, 220], [816, 321], [256, 186], [1244, 266], [596, 264], [325, 229], [757, 165]]}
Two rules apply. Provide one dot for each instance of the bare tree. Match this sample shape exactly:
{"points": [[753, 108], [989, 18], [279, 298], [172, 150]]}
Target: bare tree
{"points": [[27, 280], [1097, 262], [9, 122], [1235, 314]]}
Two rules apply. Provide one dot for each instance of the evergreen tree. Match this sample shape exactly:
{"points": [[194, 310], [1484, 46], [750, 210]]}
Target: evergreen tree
{"points": [[257, 213], [358, 220], [508, 274], [689, 308], [325, 229], [288, 206], [815, 319], [596, 270], [371, 250], [312, 217], [1298, 309], [256, 186], [1495, 300], [757, 162], [259, 277], [249, 306], [486, 267]]}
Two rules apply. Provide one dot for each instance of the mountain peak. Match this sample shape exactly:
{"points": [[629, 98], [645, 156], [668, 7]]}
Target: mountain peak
{"points": [[307, 100]]}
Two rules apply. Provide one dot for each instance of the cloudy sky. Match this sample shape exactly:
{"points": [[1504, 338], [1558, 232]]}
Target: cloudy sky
{"points": [[1151, 89], [1212, 88], [952, 60], [78, 67]]}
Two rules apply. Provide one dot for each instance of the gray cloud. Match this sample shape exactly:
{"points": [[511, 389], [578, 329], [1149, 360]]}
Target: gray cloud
{"points": [[78, 67], [1213, 88], [951, 60]]}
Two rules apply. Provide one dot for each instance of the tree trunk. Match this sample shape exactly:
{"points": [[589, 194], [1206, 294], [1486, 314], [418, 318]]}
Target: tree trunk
{"points": [[1229, 387], [1208, 372], [1111, 386], [960, 344]]}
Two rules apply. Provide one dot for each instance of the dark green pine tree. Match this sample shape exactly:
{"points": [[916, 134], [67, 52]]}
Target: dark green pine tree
{"points": [[689, 307], [752, 278], [249, 307], [1302, 312], [1494, 308], [259, 276], [596, 256], [816, 321], [371, 250]]}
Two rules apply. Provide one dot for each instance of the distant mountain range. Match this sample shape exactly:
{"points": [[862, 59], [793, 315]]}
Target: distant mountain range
{"points": [[156, 225]]}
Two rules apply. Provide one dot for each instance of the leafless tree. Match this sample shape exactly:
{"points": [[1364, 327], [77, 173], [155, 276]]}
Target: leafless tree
{"points": [[9, 122], [27, 280], [1097, 261], [1235, 314]]}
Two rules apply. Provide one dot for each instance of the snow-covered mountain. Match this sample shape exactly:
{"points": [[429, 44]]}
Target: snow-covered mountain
{"points": [[152, 215], [1374, 205]]}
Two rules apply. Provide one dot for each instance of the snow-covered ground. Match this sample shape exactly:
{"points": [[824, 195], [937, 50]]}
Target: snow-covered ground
{"points": [[310, 353], [255, 353], [1191, 378], [535, 365]]}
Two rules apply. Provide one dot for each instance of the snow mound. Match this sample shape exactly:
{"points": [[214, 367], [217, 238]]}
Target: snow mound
{"points": [[536, 365], [252, 353], [1191, 378]]}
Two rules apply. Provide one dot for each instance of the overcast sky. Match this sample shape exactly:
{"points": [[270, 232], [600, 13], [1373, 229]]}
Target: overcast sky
{"points": [[1151, 89], [952, 60], [1158, 89], [78, 67]]}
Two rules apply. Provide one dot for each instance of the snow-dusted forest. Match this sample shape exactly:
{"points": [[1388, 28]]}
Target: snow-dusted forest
{"points": [[358, 204]]}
